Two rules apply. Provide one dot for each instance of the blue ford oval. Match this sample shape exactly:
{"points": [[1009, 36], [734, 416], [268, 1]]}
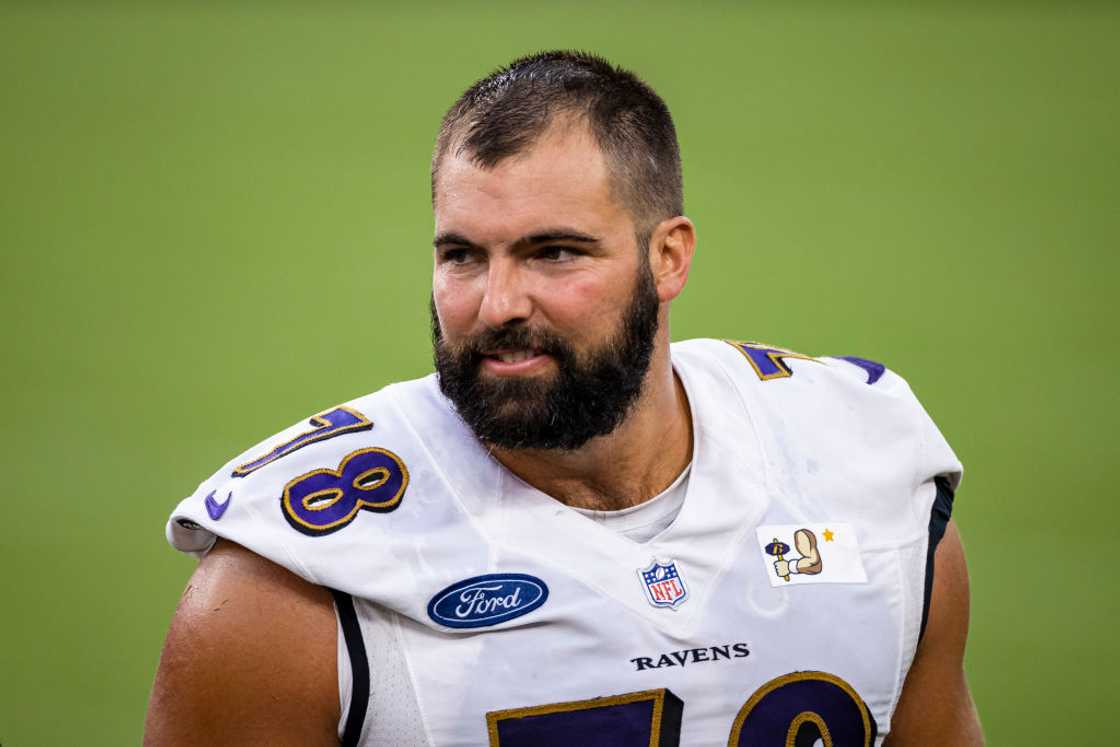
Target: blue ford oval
{"points": [[487, 600]]}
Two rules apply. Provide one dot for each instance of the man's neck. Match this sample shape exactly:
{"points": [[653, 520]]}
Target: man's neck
{"points": [[628, 466]]}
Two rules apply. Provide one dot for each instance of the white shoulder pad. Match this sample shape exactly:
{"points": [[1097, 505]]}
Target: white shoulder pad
{"points": [[348, 499], [841, 435]]}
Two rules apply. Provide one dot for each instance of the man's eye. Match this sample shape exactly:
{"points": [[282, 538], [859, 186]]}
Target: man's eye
{"points": [[557, 253], [455, 256]]}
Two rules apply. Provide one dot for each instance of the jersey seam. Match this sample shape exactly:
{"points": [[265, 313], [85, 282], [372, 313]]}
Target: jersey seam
{"points": [[398, 635], [735, 386], [435, 465], [917, 479], [738, 546], [288, 550], [899, 677]]}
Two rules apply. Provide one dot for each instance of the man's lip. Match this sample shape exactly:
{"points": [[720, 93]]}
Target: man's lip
{"points": [[507, 351], [533, 364]]}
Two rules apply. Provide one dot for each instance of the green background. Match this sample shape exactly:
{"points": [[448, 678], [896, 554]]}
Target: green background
{"points": [[215, 221]]}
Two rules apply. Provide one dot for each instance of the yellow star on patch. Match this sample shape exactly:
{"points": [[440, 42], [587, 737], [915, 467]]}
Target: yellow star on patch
{"points": [[828, 535]]}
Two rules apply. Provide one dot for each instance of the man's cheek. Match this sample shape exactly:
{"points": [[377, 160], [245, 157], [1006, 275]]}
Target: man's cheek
{"points": [[453, 310]]}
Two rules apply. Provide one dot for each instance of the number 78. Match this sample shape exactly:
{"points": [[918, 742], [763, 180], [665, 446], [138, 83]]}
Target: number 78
{"points": [[794, 710]]}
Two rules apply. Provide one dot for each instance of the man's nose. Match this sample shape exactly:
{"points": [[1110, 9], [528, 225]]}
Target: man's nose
{"points": [[505, 299]]}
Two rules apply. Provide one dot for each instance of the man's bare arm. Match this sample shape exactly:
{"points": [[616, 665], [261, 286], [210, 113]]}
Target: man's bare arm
{"points": [[936, 707], [250, 658]]}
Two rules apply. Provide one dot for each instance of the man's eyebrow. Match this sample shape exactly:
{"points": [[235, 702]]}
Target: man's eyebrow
{"points": [[559, 234], [540, 237], [450, 238]]}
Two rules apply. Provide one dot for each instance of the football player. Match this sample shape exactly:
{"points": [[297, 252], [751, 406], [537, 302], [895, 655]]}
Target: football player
{"points": [[575, 532]]}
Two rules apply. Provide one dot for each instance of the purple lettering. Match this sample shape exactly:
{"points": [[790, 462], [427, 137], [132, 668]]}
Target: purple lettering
{"points": [[767, 361]]}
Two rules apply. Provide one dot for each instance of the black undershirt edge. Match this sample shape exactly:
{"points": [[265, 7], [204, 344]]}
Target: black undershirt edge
{"points": [[359, 668], [938, 520]]}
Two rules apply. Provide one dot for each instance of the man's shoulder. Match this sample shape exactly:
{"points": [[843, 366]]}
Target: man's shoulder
{"points": [[237, 612], [752, 361], [385, 416], [377, 471], [767, 373], [853, 409]]}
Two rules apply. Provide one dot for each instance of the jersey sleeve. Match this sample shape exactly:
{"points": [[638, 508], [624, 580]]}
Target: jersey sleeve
{"points": [[934, 457], [239, 501], [846, 435], [350, 499]]}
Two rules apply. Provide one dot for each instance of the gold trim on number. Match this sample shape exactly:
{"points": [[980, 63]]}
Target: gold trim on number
{"points": [[657, 696]]}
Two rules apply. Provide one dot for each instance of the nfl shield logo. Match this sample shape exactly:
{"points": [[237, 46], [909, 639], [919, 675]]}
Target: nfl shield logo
{"points": [[663, 584]]}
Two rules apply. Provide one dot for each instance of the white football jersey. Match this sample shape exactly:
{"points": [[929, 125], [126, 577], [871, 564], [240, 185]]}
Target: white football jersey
{"points": [[476, 610]]}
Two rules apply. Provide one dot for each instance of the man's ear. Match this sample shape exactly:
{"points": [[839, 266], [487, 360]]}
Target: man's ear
{"points": [[671, 246]]}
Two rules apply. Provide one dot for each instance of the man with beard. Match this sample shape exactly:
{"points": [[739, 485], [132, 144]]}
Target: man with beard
{"points": [[576, 533]]}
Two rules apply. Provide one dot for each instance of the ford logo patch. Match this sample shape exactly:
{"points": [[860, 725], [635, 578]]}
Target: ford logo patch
{"points": [[487, 600]]}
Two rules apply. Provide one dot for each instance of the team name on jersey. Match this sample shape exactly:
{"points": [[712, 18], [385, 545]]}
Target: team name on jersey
{"points": [[691, 655]]}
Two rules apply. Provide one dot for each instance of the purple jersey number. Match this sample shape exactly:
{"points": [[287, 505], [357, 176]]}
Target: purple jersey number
{"points": [[323, 501], [795, 709], [800, 708], [768, 362], [651, 718], [327, 425]]}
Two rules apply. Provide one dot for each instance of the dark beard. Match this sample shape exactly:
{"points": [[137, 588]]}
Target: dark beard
{"points": [[582, 400]]}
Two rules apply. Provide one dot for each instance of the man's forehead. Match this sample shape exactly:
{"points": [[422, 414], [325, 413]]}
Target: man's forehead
{"points": [[562, 178]]}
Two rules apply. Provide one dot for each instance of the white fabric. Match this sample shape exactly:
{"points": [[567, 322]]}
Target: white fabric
{"points": [[643, 522], [345, 674], [818, 446], [393, 715]]}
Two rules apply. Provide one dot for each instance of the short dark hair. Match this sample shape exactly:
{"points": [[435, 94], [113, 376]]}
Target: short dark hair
{"points": [[507, 111]]}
